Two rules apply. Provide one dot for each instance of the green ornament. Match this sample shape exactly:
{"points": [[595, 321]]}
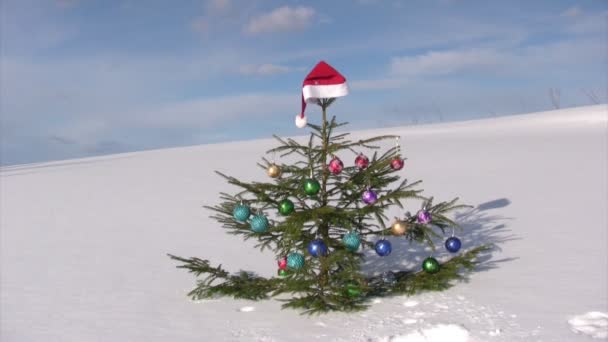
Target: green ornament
{"points": [[259, 223], [295, 261], [430, 265], [353, 290], [282, 273], [351, 241], [311, 186], [286, 207], [241, 213]]}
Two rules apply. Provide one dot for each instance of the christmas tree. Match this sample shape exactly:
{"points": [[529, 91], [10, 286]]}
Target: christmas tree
{"points": [[326, 214]]}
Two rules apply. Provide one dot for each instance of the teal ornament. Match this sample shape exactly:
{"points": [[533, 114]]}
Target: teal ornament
{"points": [[241, 213], [295, 261], [259, 223], [351, 241]]}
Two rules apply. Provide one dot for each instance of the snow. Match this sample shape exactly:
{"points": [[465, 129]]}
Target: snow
{"points": [[437, 333], [594, 324], [83, 243]]}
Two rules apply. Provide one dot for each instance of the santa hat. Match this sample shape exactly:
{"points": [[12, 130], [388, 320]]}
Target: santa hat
{"points": [[322, 82]]}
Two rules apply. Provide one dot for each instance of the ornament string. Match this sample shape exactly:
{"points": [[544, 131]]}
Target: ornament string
{"points": [[397, 145]]}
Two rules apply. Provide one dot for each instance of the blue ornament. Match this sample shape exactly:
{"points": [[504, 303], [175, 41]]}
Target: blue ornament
{"points": [[351, 241], [295, 261], [317, 248], [383, 247], [453, 244], [259, 223], [241, 213]]}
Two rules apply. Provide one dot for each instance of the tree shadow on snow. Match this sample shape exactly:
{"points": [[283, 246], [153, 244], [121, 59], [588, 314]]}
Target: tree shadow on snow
{"points": [[479, 227]]}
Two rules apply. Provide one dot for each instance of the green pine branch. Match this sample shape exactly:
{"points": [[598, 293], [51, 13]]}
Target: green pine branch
{"points": [[350, 291]]}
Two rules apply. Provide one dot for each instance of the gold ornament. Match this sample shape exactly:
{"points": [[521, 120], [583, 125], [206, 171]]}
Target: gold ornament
{"points": [[274, 171], [399, 227]]}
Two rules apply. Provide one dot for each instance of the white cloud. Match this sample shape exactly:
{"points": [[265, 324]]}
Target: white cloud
{"points": [[587, 23], [444, 62], [218, 15], [206, 112], [263, 69], [200, 24], [219, 5], [282, 19], [377, 84], [519, 61], [572, 12]]}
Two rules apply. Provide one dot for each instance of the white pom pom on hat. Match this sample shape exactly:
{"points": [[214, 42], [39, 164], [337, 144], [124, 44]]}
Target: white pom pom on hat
{"points": [[301, 121], [322, 82]]}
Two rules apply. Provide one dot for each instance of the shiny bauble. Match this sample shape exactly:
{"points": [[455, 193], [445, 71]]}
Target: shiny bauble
{"points": [[274, 171], [430, 265], [317, 248], [399, 228], [423, 217], [389, 278], [335, 166], [259, 223], [383, 247], [353, 290], [351, 241], [397, 164], [295, 261], [361, 161], [311, 186], [282, 272], [282, 263], [453, 244], [286, 207], [241, 213], [369, 196]]}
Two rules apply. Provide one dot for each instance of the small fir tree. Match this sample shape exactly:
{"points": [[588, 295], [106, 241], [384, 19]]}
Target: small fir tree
{"points": [[327, 213]]}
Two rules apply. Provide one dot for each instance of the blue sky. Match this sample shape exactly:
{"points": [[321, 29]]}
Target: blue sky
{"points": [[84, 77]]}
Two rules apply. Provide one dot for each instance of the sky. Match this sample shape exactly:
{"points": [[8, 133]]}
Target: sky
{"points": [[82, 78]]}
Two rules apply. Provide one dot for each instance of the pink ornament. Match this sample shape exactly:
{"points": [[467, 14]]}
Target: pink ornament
{"points": [[282, 263], [361, 161], [397, 164], [335, 165]]}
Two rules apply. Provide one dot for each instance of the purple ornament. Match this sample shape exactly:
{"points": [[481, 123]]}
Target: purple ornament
{"points": [[424, 216], [369, 196]]}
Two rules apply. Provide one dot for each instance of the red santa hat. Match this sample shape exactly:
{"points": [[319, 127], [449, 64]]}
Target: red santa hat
{"points": [[322, 82]]}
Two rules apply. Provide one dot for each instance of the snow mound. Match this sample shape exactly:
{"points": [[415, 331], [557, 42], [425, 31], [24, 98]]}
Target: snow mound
{"points": [[436, 333], [594, 324]]}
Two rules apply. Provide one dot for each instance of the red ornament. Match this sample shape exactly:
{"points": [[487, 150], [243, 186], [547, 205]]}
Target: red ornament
{"points": [[397, 164], [361, 161], [335, 165], [282, 263]]}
